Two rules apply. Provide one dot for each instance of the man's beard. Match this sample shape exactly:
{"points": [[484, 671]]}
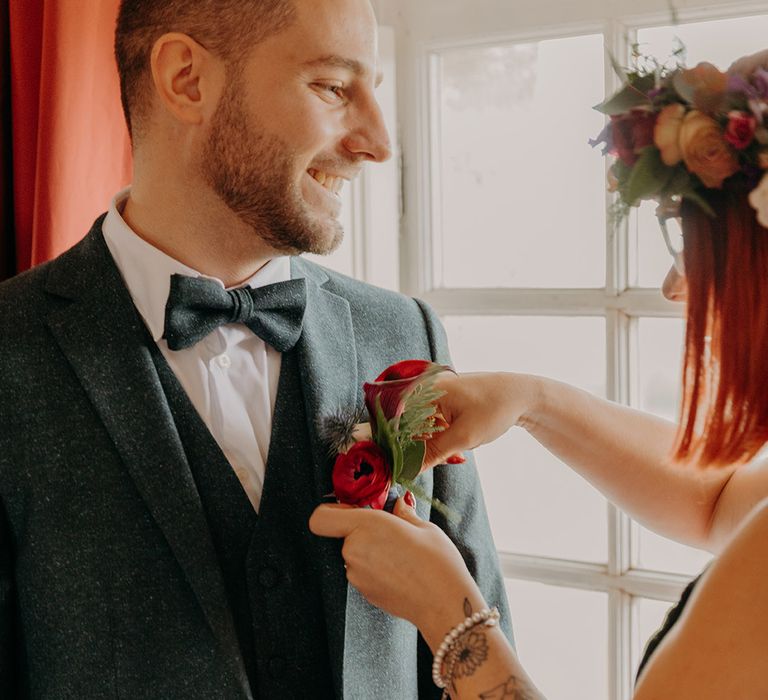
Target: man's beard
{"points": [[251, 171]]}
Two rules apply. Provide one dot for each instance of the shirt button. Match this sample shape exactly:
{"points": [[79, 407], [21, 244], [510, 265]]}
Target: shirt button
{"points": [[268, 577], [224, 361], [276, 667]]}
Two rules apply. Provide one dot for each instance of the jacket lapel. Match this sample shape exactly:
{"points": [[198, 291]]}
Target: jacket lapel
{"points": [[101, 334], [374, 653], [328, 365]]}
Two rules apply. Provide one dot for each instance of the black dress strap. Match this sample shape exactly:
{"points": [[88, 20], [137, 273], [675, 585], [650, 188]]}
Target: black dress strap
{"points": [[669, 622]]}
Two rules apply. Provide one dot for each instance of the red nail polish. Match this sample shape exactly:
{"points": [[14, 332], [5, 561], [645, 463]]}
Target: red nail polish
{"points": [[409, 499], [456, 459]]}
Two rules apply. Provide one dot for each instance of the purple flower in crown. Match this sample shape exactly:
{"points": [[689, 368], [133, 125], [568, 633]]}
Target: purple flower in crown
{"points": [[760, 81]]}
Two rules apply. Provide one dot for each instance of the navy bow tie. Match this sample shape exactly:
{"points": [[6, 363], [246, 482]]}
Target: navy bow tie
{"points": [[197, 306]]}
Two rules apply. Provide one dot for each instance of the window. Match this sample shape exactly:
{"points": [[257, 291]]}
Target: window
{"points": [[506, 234]]}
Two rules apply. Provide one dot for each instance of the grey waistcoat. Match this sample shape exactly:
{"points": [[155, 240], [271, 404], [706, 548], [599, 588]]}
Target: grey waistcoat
{"points": [[267, 562]]}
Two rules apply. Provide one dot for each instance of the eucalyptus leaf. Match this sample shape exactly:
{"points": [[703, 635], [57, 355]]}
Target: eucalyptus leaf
{"points": [[683, 87], [649, 177], [413, 459], [629, 97], [679, 182]]}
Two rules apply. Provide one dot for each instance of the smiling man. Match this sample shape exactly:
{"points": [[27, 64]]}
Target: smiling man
{"points": [[159, 455]]}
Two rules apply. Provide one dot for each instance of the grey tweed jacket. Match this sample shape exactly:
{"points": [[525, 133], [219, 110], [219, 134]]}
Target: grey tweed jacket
{"points": [[109, 582]]}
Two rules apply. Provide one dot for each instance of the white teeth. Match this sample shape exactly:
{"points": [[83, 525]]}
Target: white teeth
{"points": [[330, 182]]}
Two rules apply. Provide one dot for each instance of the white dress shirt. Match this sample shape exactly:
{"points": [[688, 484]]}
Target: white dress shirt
{"points": [[230, 376]]}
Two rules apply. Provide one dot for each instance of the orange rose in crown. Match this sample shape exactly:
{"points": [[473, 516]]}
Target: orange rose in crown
{"points": [[374, 460], [705, 150]]}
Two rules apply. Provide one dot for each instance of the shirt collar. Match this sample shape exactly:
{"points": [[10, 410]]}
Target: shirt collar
{"points": [[147, 271]]}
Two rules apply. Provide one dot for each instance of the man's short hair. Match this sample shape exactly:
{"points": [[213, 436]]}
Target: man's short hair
{"points": [[228, 28]]}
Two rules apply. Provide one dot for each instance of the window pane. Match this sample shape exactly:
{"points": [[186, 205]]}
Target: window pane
{"points": [[719, 42], [647, 617], [562, 639], [536, 504], [521, 194], [660, 348], [660, 343]]}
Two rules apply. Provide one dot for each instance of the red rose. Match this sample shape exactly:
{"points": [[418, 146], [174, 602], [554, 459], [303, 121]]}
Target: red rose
{"points": [[362, 476], [630, 133], [407, 369], [741, 129], [393, 386]]}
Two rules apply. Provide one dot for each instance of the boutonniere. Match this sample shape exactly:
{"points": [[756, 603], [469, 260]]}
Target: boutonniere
{"points": [[378, 458]]}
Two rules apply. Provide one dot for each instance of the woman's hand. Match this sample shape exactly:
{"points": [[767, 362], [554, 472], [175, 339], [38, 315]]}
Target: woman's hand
{"points": [[402, 564], [479, 408]]}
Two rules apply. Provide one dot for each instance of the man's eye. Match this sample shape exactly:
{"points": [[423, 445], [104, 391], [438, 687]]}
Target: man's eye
{"points": [[336, 91]]}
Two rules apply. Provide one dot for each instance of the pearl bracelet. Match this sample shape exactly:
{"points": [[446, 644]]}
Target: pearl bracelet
{"points": [[488, 617]]}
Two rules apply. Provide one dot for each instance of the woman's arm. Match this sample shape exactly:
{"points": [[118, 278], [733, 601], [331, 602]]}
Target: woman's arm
{"points": [[621, 451], [411, 569]]}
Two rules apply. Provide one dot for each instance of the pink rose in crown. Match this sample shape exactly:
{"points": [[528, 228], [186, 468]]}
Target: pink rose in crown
{"points": [[741, 129]]}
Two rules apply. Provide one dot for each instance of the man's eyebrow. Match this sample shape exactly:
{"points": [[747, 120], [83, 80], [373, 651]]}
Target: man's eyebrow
{"points": [[352, 65]]}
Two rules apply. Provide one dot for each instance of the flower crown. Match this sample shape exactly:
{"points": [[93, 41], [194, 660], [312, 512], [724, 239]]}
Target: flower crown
{"points": [[678, 132]]}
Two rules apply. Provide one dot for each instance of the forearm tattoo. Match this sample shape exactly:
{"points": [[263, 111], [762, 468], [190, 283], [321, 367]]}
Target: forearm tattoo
{"points": [[471, 653]]}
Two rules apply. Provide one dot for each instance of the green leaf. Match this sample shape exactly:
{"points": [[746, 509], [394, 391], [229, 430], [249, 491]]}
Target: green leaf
{"points": [[679, 182], [629, 97], [649, 177], [683, 87], [386, 438], [413, 459], [419, 410]]}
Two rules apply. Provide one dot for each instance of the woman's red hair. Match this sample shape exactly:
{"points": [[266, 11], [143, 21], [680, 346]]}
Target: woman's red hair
{"points": [[724, 413]]}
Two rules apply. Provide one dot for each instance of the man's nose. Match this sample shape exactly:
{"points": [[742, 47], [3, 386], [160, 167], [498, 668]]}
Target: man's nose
{"points": [[369, 138]]}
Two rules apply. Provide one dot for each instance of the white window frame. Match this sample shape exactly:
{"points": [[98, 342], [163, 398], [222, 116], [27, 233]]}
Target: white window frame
{"points": [[425, 28]]}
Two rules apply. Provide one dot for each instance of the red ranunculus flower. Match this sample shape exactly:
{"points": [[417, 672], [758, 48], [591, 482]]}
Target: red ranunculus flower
{"points": [[741, 129], [631, 133], [362, 476]]}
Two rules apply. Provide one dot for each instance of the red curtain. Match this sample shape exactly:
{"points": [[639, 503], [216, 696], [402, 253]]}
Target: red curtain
{"points": [[71, 151]]}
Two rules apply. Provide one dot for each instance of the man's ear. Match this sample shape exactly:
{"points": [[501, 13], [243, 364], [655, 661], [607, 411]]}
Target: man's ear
{"points": [[187, 78]]}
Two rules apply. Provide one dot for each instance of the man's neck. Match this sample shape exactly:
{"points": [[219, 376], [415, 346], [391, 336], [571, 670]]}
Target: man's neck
{"points": [[203, 235]]}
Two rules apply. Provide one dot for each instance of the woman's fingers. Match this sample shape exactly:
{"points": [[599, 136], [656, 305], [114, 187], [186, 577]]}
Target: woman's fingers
{"points": [[406, 512], [446, 447], [334, 520]]}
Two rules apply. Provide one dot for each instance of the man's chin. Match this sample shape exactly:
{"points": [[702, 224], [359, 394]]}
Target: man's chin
{"points": [[315, 241]]}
